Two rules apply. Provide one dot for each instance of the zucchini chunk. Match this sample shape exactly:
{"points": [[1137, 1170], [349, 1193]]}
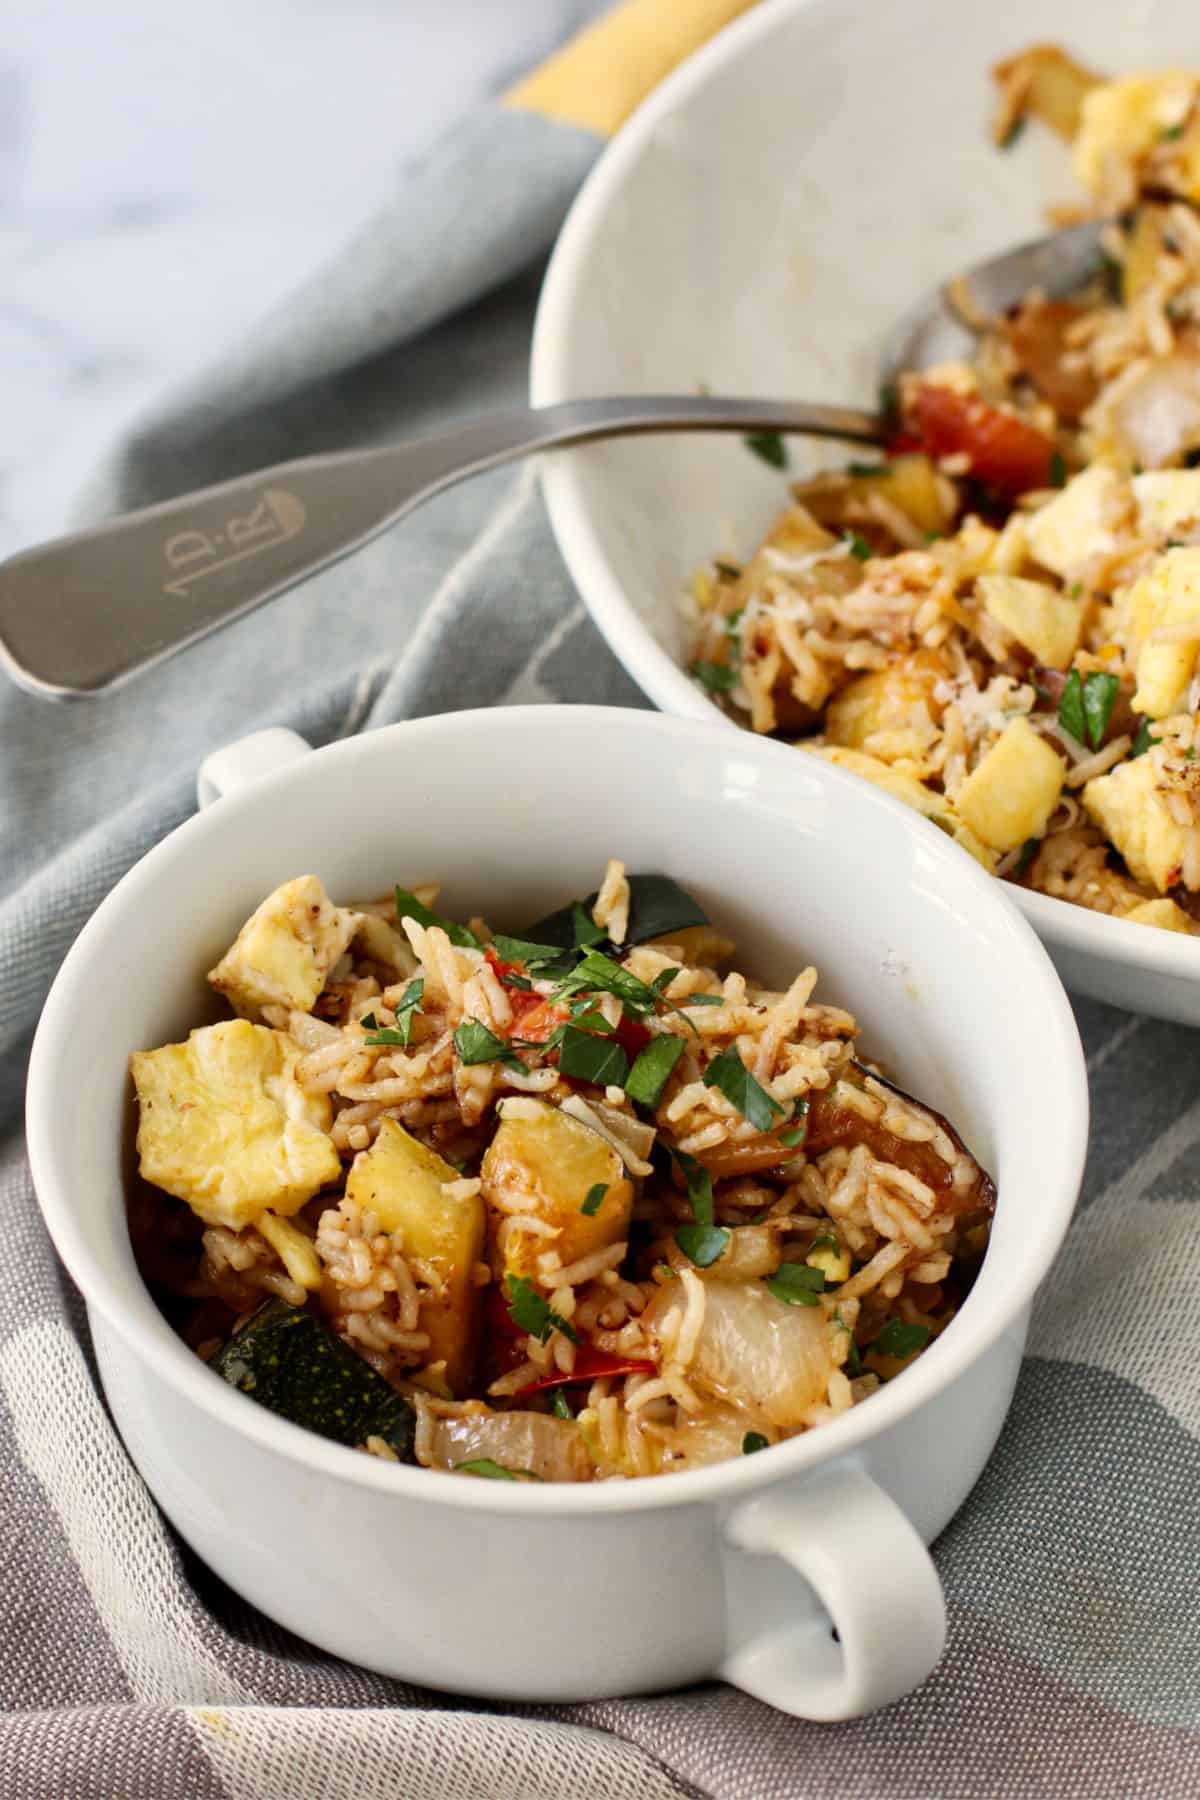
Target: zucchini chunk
{"points": [[293, 1364], [545, 1163], [405, 1184]]}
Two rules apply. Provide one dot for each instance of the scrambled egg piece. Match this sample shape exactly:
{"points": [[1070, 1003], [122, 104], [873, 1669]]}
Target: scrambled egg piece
{"points": [[225, 1125], [1009, 797], [1163, 913], [913, 792], [1125, 122], [1168, 500], [284, 952], [1081, 521], [1048, 623], [890, 713], [1169, 596], [1131, 812]]}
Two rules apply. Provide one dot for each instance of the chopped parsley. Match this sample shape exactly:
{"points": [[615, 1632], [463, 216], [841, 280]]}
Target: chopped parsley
{"points": [[586, 931], [476, 1044], [595, 1199], [651, 1071], [728, 572], [899, 1339], [702, 999], [858, 546], [732, 621], [406, 1011], [796, 1283], [798, 1131], [663, 980], [1086, 705], [494, 1471], [769, 446], [718, 678], [699, 1186], [826, 1240], [1075, 590], [512, 949], [865, 469], [1142, 741], [532, 1313], [591, 1058], [1058, 469], [703, 1244], [853, 1364], [1013, 133], [560, 1406], [1171, 132], [754, 1440], [729, 1074], [409, 907]]}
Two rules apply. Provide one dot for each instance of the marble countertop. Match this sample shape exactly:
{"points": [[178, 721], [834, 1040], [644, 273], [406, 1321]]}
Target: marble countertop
{"points": [[167, 173]]}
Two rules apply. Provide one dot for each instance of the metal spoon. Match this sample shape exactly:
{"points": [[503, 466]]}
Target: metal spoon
{"points": [[82, 614]]}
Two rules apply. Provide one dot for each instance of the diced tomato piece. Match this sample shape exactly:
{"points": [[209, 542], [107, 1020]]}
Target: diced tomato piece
{"points": [[534, 1017], [632, 1036], [1004, 452]]}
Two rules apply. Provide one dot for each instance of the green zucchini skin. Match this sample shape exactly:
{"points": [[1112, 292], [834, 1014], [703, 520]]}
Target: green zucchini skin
{"points": [[292, 1363]]}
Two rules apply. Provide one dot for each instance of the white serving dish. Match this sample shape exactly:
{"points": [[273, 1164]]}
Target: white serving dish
{"points": [[562, 1593], [757, 227]]}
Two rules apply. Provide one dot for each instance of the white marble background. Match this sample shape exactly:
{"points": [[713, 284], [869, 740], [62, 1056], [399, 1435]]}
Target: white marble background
{"points": [[168, 171]]}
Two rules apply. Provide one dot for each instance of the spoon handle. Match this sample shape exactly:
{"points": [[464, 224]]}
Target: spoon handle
{"points": [[82, 614]]}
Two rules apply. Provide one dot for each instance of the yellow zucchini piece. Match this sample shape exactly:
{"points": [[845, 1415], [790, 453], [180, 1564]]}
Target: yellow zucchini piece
{"points": [[544, 1163], [224, 1124], [1163, 913], [1009, 797], [284, 952], [1048, 623], [409, 1188], [914, 793], [1168, 596], [1134, 816]]}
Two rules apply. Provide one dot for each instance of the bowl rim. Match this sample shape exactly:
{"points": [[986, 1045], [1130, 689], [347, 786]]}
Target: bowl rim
{"points": [[148, 1336], [565, 290]]}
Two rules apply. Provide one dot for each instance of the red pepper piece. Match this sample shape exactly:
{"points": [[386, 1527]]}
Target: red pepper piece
{"points": [[1004, 452]]}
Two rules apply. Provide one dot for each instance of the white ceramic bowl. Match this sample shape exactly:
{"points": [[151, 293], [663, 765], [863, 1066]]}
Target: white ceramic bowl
{"points": [[758, 225], [571, 1592]]}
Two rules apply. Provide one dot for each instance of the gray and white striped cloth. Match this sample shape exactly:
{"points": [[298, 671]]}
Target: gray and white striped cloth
{"points": [[127, 1669]]}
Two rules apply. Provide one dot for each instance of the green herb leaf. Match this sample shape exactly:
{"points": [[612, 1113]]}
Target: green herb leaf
{"points": [[663, 980], [534, 1314], [406, 1011], [859, 548], [657, 906], [699, 1186], [899, 1339], [651, 1071], [769, 446], [862, 468], [703, 999], [509, 980], [1029, 850], [797, 1284], [590, 1058], [595, 1198], [409, 907], [754, 1440], [853, 1364], [476, 1044], [1142, 740], [1070, 708], [727, 571], [494, 1471], [1171, 132], [520, 950], [703, 1244], [369, 1022], [1058, 469], [732, 621], [1012, 134], [587, 1018], [889, 400], [718, 678], [560, 1406], [796, 1134], [826, 1240], [730, 1075], [1075, 591], [584, 927], [1099, 697]]}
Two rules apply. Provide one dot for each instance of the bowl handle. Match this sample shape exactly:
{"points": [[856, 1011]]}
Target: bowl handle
{"points": [[875, 1580], [247, 760]]}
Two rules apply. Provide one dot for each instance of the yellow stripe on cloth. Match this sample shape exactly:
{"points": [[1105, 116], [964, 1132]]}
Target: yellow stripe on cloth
{"points": [[597, 79]]}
